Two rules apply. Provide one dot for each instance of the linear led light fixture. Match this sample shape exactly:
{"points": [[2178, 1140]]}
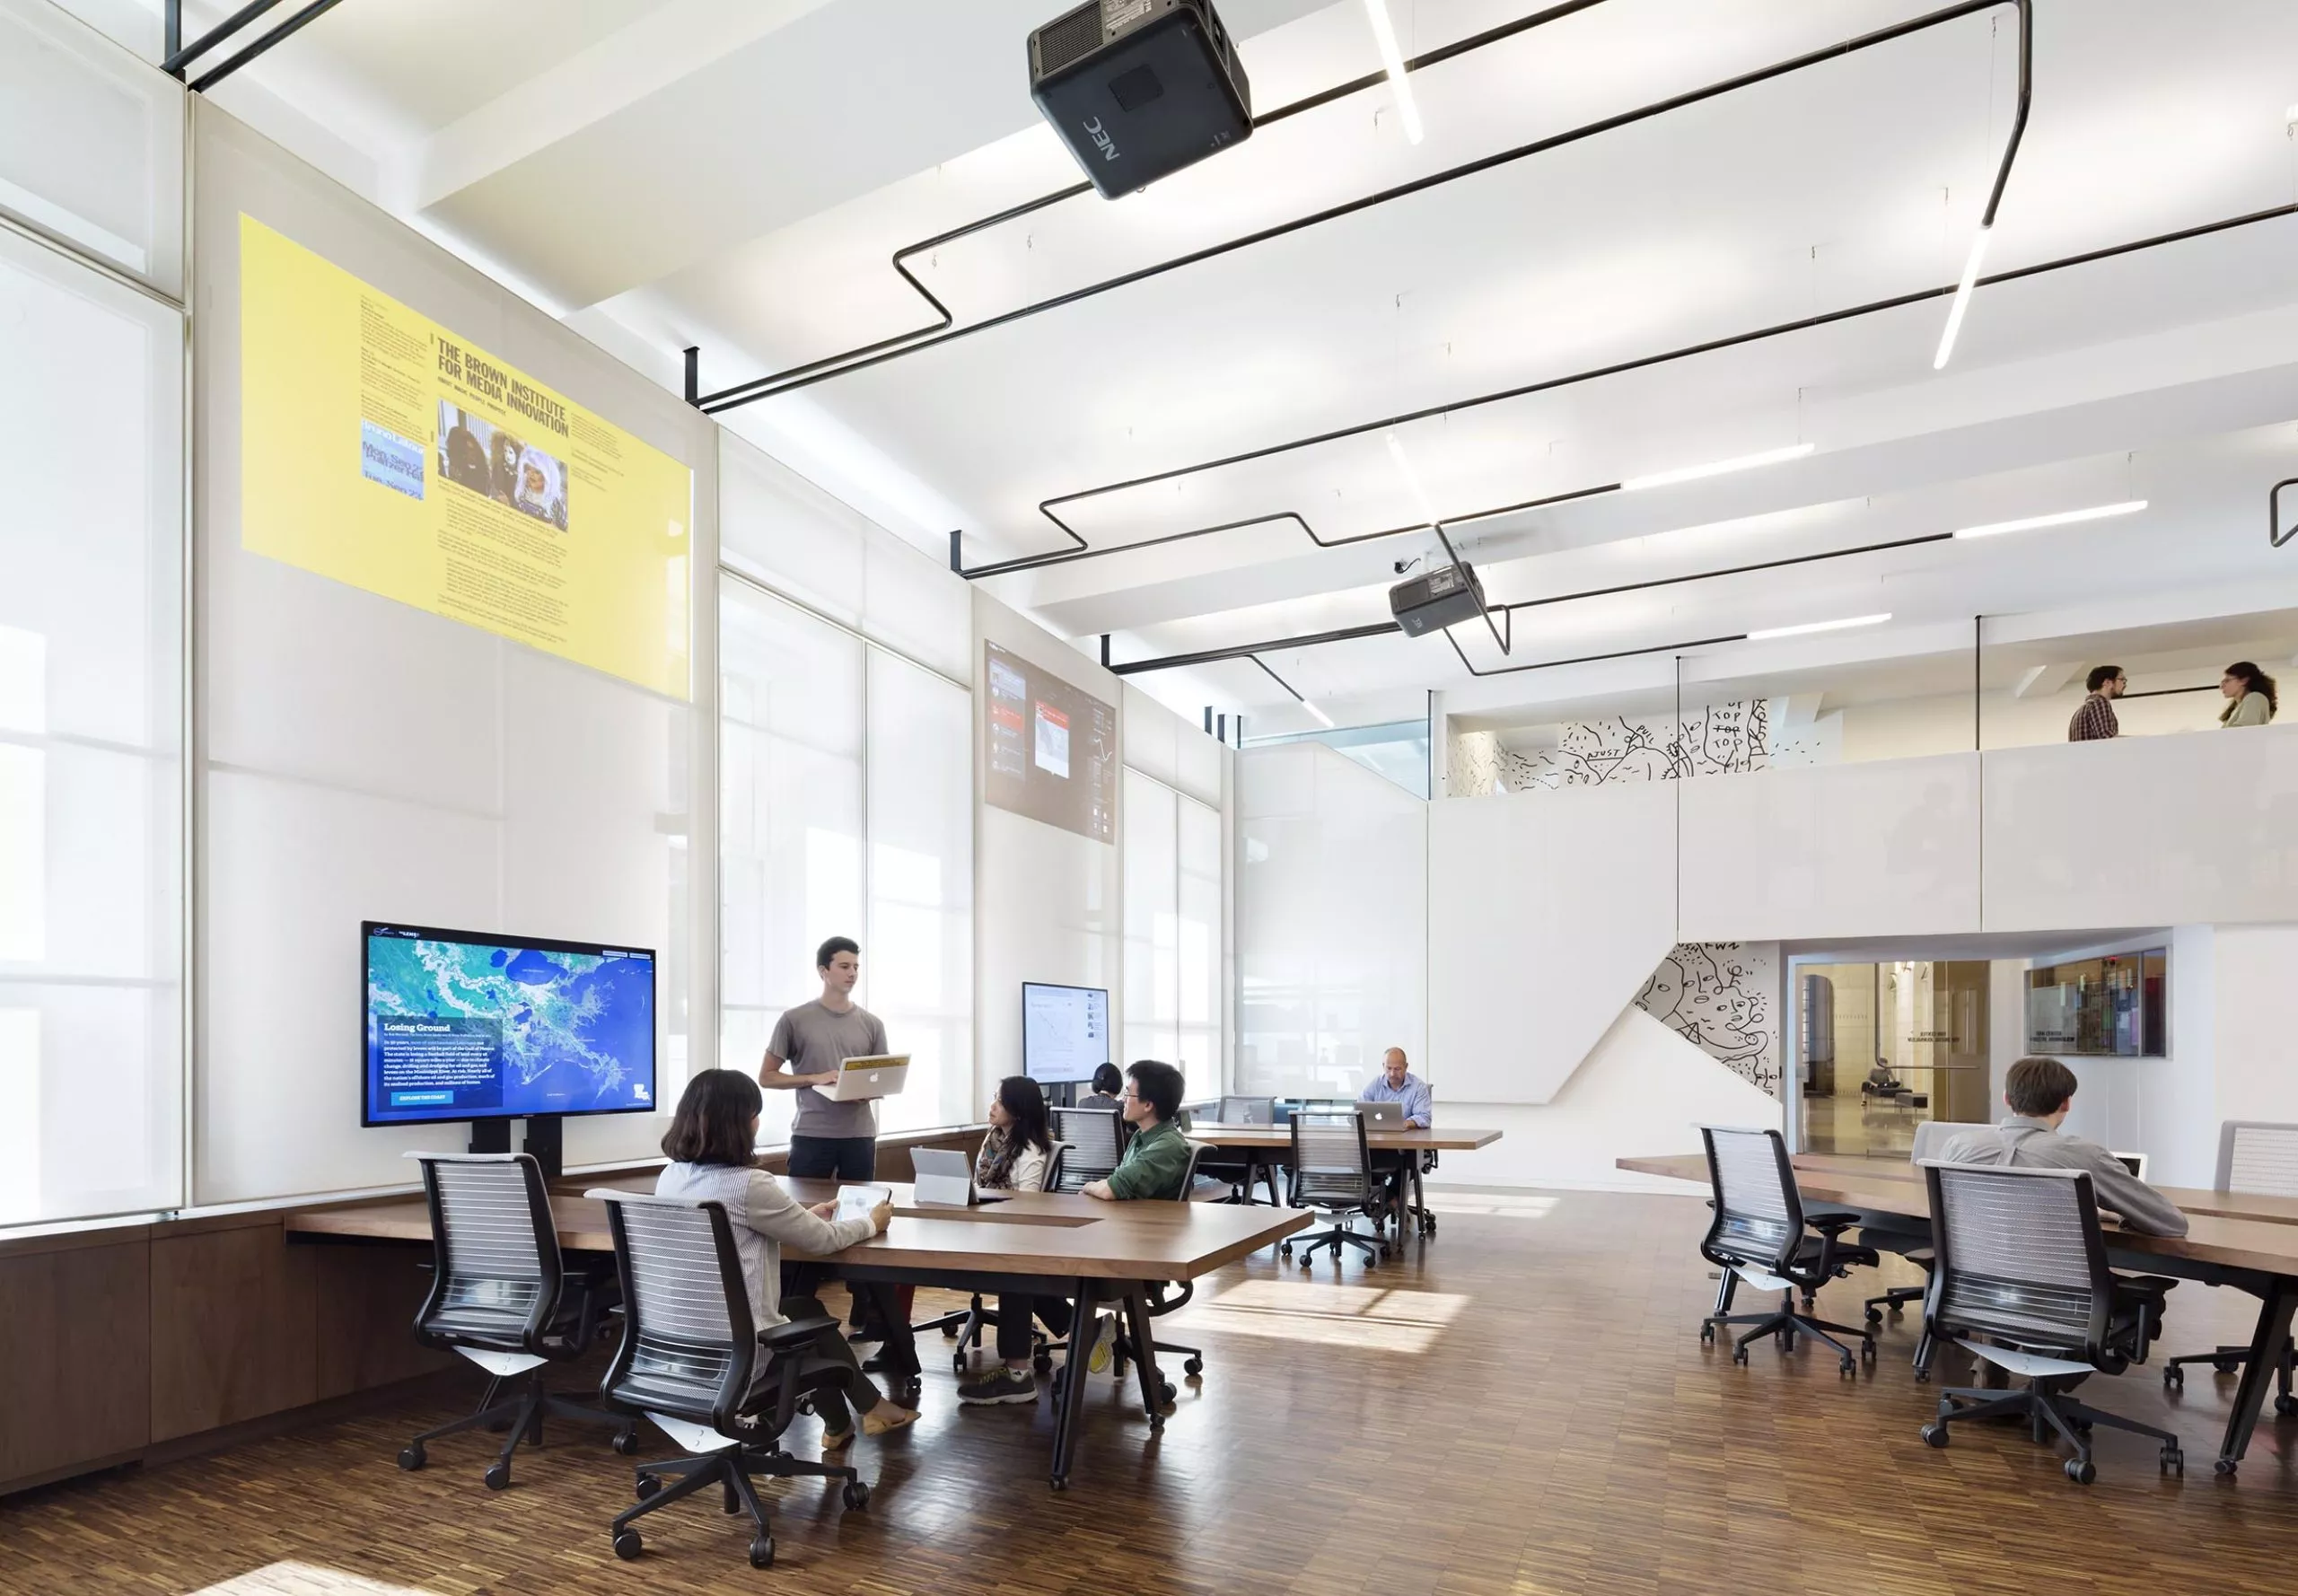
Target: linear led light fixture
{"points": [[1310, 704], [1404, 467], [2064, 518], [1716, 468], [1819, 625], [1962, 299], [1392, 61]]}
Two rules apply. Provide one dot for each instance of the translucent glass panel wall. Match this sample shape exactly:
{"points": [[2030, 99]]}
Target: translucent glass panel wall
{"points": [[91, 714], [846, 793], [1172, 931]]}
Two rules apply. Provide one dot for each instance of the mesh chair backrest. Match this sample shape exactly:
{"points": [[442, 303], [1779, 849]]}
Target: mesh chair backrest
{"points": [[496, 1251], [1248, 1110], [688, 1342], [1094, 1145], [2019, 1257], [1331, 1167], [1758, 1212], [2260, 1158]]}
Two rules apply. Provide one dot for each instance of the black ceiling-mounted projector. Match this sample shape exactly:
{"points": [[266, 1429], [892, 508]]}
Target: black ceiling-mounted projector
{"points": [[1139, 89], [1440, 598]]}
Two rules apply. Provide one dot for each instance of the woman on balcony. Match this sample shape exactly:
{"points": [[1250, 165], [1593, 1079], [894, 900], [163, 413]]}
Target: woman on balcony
{"points": [[2250, 692]]}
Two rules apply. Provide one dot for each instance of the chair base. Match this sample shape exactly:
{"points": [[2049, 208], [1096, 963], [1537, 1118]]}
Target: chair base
{"points": [[2047, 1410], [736, 1470], [521, 1415], [1343, 1233], [1895, 1299], [2226, 1360], [1786, 1324]]}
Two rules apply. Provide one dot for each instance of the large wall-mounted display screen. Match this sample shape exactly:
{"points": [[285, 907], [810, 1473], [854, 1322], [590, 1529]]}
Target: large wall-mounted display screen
{"points": [[381, 450], [1051, 751], [1064, 1032], [466, 1026]]}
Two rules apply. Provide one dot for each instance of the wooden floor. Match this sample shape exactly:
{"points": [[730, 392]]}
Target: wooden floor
{"points": [[1529, 1411]]}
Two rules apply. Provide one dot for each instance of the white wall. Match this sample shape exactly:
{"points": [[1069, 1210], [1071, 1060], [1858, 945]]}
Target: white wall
{"points": [[1331, 885], [1641, 1091], [1547, 911], [1047, 902], [1844, 850], [360, 758]]}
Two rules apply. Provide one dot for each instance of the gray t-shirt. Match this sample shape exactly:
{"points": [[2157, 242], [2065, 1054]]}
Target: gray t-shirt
{"points": [[814, 1040]]}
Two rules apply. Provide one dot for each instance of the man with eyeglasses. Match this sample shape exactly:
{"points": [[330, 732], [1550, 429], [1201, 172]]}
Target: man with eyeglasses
{"points": [[1156, 1160]]}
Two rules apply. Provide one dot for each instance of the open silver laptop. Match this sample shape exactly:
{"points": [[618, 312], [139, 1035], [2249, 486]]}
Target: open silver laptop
{"points": [[945, 1175], [1382, 1116], [869, 1077]]}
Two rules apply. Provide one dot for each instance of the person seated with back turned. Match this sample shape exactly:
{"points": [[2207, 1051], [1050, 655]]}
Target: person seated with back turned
{"points": [[1396, 1084], [1108, 1082], [710, 1145], [2040, 1093], [1156, 1160], [1013, 1158]]}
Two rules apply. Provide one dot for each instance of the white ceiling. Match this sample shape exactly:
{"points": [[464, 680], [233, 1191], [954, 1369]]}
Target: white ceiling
{"points": [[736, 173]]}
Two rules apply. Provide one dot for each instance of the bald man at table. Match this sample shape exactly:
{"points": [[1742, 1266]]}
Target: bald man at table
{"points": [[1396, 1084]]}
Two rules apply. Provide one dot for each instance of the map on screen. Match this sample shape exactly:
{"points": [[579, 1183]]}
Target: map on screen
{"points": [[460, 1027]]}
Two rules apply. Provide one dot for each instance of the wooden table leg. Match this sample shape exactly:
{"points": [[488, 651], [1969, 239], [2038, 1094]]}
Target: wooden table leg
{"points": [[2259, 1370], [1084, 1329]]}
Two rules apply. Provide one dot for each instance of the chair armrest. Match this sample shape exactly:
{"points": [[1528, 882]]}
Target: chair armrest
{"points": [[1830, 1224], [798, 1333]]}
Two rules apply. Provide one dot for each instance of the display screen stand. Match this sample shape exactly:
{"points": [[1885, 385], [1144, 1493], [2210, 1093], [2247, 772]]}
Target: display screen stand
{"points": [[490, 1136], [546, 1143]]}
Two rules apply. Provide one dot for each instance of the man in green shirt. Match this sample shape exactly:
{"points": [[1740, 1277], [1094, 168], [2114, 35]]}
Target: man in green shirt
{"points": [[1156, 1160]]}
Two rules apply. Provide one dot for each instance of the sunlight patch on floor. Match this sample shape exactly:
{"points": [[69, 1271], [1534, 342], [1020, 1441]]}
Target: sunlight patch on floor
{"points": [[1372, 1318], [1510, 1205], [305, 1579]]}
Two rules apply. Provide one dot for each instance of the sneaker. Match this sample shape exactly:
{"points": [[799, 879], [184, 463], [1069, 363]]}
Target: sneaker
{"points": [[1001, 1384], [1104, 1344]]}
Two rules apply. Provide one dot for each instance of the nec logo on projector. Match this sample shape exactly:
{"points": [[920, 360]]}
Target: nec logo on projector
{"points": [[1101, 139]]}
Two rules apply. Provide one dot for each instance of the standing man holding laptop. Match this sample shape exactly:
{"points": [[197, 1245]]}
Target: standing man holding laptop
{"points": [[837, 1140], [830, 1140]]}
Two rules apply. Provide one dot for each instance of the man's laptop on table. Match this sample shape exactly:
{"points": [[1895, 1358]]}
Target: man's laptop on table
{"points": [[1382, 1116]]}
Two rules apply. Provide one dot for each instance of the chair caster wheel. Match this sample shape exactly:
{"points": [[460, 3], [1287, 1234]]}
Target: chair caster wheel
{"points": [[2174, 1378], [762, 1552], [1058, 1485], [498, 1476], [958, 1363], [1923, 1377], [1739, 1354], [1308, 1263], [2174, 1461], [948, 1332], [2224, 1366], [1042, 1363], [627, 1545], [1285, 1250], [647, 1485], [1867, 1352], [625, 1442], [2080, 1471], [1193, 1368], [1166, 1387], [1706, 1334], [1874, 1316], [411, 1458], [2224, 1465], [1848, 1366], [2285, 1405], [1934, 1434], [855, 1495]]}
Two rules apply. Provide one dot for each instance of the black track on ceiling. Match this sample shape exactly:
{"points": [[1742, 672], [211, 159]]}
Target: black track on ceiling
{"points": [[1079, 549], [1507, 612], [942, 328], [181, 54]]}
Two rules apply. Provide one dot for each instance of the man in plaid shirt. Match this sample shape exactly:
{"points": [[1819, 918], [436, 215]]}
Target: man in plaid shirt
{"points": [[2096, 719]]}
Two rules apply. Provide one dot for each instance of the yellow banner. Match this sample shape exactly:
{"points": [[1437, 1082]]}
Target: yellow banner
{"points": [[379, 449]]}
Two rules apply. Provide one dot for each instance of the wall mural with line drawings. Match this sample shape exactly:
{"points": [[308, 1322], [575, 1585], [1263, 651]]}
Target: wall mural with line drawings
{"points": [[1744, 734], [1723, 998]]}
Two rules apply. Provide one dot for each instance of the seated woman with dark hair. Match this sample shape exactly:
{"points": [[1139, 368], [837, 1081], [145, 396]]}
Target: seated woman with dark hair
{"points": [[710, 1146], [1014, 1157], [1108, 1082]]}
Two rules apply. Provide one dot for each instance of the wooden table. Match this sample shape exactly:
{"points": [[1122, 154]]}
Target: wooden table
{"points": [[2232, 1239], [1257, 1142], [1043, 1243]]}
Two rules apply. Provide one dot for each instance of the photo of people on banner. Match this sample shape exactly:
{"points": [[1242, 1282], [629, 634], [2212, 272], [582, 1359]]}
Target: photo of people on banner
{"points": [[476, 454]]}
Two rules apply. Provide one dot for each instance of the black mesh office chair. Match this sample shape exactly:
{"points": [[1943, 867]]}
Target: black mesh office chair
{"points": [[2022, 1281], [690, 1361], [1332, 1172], [1760, 1234], [501, 1297], [1095, 1138], [2260, 1158], [1242, 1172]]}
